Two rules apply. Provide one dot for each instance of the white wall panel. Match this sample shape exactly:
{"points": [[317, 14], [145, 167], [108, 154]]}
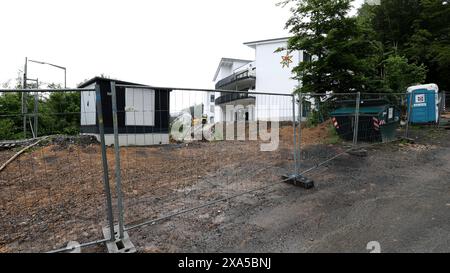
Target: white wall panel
{"points": [[139, 107], [88, 107]]}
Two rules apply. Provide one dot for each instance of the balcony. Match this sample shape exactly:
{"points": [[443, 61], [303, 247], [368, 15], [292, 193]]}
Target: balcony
{"points": [[243, 80], [230, 97]]}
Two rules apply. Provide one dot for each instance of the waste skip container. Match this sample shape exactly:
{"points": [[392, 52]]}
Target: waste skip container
{"points": [[378, 120]]}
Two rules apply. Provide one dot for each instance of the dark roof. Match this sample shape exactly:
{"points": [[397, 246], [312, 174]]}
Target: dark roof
{"points": [[344, 111], [369, 106], [97, 79]]}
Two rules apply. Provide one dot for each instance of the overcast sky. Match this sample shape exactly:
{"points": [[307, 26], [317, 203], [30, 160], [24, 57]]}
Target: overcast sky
{"points": [[174, 43]]}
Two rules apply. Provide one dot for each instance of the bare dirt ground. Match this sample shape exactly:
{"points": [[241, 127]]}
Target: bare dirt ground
{"points": [[398, 195]]}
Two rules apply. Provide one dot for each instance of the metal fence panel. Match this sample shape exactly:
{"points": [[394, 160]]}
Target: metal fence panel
{"points": [[52, 194], [176, 152], [245, 145]]}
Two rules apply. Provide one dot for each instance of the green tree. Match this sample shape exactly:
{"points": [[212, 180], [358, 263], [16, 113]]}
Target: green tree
{"points": [[60, 112], [10, 115], [392, 21], [430, 43], [399, 74], [6, 129], [416, 29], [385, 48], [344, 58]]}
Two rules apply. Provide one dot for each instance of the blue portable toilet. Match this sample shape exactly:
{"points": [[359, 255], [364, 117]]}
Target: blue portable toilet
{"points": [[425, 103]]}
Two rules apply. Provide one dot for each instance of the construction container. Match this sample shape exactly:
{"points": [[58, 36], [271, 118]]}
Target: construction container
{"points": [[424, 107], [378, 120]]}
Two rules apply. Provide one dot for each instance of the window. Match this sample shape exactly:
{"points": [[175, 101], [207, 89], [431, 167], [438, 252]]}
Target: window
{"points": [[212, 98], [306, 57], [211, 109], [139, 107]]}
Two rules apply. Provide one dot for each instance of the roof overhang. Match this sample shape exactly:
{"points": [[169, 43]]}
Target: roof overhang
{"points": [[229, 62], [268, 41], [430, 87], [97, 79]]}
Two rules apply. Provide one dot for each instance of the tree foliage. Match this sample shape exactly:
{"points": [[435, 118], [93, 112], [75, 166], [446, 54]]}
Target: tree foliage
{"points": [[59, 113], [10, 112], [418, 30], [400, 74], [385, 48], [341, 56]]}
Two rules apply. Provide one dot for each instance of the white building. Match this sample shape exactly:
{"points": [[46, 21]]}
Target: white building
{"points": [[270, 72]]}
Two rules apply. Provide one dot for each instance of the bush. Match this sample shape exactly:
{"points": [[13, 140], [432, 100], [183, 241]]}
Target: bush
{"points": [[59, 113], [6, 129], [313, 119]]}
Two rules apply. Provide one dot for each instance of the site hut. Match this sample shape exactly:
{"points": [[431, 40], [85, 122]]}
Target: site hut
{"points": [[269, 72], [142, 112]]}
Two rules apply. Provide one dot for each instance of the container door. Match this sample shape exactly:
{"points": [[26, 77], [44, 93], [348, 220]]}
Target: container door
{"points": [[432, 107], [420, 106]]}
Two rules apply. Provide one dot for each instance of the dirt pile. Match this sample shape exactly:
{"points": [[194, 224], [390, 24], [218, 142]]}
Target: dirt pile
{"points": [[315, 135], [69, 143]]}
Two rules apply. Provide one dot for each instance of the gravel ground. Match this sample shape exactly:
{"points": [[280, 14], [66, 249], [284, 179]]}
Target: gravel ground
{"points": [[398, 195]]}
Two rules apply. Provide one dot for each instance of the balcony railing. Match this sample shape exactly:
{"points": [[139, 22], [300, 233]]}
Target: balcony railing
{"points": [[232, 97], [235, 77]]}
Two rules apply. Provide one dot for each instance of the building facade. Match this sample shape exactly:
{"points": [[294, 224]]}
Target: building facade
{"points": [[269, 72]]}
